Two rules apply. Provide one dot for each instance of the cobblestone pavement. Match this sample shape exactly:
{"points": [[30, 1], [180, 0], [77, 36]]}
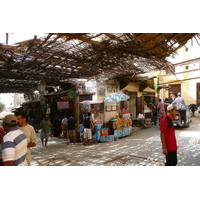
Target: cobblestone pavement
{"points": [[142, 148]]}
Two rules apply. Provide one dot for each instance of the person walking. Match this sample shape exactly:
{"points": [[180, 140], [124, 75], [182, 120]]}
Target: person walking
{"points": [[29, 131], [171, 97], [168, 138], [46, 128], [154, 114], [56, 126], [71, 127], [14, 146], [181, 106], [161, 109], [64, 127], [88, 124]]}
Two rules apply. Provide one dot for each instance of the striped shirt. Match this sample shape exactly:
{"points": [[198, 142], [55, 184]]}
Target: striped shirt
{"points": [[14, 147]]}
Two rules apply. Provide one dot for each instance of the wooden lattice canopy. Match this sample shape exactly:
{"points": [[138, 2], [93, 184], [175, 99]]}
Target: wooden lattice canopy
{"points": [[60, 57]]}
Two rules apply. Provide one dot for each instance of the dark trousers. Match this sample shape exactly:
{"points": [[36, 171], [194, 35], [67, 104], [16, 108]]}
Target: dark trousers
{"points": [[171, 158], [154, 119], [182, 116], [141, 122]]}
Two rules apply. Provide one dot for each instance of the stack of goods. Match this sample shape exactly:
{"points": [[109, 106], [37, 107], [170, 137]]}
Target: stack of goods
{"points": [[126, 115], [122, 122]]}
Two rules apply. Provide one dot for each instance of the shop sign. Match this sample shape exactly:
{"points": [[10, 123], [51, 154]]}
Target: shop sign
{"points": [[148, 93]]}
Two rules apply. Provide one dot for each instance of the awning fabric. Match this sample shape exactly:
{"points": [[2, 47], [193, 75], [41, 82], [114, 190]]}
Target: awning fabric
{"points": [[91, 102]]}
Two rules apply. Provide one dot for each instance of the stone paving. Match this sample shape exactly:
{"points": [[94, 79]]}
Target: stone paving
{"points": [[142, 148]]}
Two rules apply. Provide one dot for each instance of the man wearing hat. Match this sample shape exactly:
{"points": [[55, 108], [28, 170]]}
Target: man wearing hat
{"points": [[168, 138], [181, 106], [14, 146]]}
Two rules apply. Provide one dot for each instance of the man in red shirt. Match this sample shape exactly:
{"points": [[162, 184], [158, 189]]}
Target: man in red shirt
{"points": [[168, 137]]}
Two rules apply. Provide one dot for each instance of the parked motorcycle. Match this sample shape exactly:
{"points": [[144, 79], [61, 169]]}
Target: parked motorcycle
{"points": [[198, 109], [193, 108]]}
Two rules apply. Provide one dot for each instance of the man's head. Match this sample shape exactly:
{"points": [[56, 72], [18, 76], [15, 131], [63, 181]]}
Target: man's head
{"points": [[179, 94], [21, 117], [89, 114], [46, 118], [172, 110], [9, 121]]}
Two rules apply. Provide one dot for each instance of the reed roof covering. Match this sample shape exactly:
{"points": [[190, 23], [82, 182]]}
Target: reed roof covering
{"points": [[60, 57]]}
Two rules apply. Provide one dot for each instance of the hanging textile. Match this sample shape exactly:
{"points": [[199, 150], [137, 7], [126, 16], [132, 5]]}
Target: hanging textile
{"points": [[62, 105]]}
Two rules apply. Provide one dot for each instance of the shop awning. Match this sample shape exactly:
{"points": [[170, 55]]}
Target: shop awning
{"points": [[91, 102], [117, 96]]}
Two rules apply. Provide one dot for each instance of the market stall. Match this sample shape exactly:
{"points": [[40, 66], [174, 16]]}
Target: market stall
{"points": [[119, 125], [95, 107]]}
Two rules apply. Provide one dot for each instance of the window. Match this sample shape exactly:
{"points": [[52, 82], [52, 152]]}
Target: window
{"points": [[186, 67], [111, 108]]}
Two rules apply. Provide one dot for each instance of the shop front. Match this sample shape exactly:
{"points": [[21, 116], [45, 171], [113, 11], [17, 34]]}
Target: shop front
{"points": [[145, 102], [95, 107], [59, 105], [111, 120]]}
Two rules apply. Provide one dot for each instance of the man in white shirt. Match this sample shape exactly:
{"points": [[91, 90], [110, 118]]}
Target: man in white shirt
{"points": [[142, 120], [64, 129], [181, 106], [29, 131]]}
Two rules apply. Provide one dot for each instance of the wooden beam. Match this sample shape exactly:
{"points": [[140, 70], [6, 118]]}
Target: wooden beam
{"points": [[82, 38]]}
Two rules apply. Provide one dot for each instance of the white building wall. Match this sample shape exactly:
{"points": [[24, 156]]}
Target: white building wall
{"points": [[188, 80]]}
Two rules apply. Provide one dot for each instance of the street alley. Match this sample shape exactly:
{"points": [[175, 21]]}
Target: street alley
{"points": [[142, 148]]}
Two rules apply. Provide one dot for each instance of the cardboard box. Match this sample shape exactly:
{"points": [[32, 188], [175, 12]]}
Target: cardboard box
{"points": [[104, 131]]}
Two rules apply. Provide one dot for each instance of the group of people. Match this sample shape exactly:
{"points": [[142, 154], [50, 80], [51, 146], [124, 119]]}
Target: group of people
{"points": [[159, 111], [17, 136], [69, 128], [168, 139], [167, 111], [179, 102], [16, 139]]}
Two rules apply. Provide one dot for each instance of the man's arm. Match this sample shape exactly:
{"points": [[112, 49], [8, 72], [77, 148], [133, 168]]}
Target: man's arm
{"points": [[162, 137], [91, 122], [31, 144], [7, 163], [174, 102], [33, 139]]}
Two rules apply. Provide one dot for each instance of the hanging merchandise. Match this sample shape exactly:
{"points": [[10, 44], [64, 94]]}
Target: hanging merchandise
{"points": [[63, 105], [80, 89], [48, 111]]}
